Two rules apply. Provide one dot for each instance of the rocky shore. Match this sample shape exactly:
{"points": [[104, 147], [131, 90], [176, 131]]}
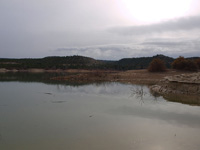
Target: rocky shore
{"points": [[188, 84]]}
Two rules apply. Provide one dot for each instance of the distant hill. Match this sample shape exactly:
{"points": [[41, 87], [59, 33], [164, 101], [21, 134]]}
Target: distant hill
{"points": [[81, 62], [53, 62], [142, 62]]}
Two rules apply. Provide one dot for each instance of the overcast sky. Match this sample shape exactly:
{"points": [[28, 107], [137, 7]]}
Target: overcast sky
{"points": [[102, 29]]}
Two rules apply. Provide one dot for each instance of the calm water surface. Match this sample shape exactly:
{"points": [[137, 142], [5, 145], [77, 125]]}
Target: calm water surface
{"points": [[110, 116]]}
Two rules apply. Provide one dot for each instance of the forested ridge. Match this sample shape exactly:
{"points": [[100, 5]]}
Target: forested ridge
{"points": [[81, 62]]}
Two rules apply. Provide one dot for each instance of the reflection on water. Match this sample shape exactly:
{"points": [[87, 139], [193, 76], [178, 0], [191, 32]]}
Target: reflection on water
{"points": [[185, 99], [93, 117], [138, 92], [44, 77]]}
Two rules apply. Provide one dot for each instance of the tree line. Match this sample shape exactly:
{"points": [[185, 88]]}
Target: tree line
{"points": [[180, 63], [81, 62]]}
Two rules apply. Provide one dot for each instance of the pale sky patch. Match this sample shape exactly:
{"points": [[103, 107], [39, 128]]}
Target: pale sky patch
{"points": [[102, 29]]}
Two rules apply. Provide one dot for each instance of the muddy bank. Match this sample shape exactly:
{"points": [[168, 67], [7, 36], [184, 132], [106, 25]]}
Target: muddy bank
{"points": [[36, 70], [131, 76]]}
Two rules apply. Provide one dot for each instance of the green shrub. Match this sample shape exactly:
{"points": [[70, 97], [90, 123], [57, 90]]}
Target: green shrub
{"points": [[157, 65]]}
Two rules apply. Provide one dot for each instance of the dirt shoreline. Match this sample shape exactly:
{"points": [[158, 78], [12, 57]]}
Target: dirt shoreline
{"points": [[35, 70], [130, 76]]}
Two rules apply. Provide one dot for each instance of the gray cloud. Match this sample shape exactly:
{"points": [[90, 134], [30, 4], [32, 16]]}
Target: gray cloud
{"points": [[164, 44], [173, 48], [36, 28], [99, 51], [188, 23], [176, 47]]}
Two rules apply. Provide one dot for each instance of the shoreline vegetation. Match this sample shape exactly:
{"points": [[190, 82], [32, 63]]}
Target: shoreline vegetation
{"points": [[87, 63], [153, 71], [143, 70]]}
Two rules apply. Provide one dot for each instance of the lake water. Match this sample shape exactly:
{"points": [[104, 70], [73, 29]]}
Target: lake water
{"points": [[106, 116]]}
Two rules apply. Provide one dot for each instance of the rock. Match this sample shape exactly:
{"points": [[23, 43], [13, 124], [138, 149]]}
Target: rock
{"points": [[155, 88], [181, 84]]}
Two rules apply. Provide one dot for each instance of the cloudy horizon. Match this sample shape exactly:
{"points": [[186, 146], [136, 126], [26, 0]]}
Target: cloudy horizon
{"points": [[100, 29]]}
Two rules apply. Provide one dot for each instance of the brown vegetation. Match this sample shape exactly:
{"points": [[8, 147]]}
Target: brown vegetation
{"points": [[157, 65], [198, 62], [183, 64]]}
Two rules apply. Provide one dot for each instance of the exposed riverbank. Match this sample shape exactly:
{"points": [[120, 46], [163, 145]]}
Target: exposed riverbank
{"points": [[188, 84], [130, 76], [35, 70], [173, 85]]}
